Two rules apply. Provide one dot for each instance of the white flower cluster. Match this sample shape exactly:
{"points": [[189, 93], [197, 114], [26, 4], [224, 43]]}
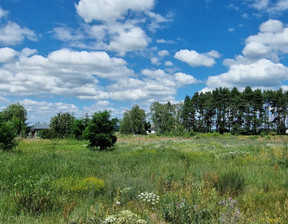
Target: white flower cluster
{"points": [[149, 197], [125, 190], [122, 217]]}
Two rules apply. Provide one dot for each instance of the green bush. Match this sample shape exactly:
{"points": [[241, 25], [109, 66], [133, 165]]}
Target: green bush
{"points": [[100, 131], [7, 135], [46, 134]]}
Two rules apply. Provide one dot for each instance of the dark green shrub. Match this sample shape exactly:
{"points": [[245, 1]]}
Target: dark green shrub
{"points": [[100, 131], [232, 183], [7, 135], [46, 134]]}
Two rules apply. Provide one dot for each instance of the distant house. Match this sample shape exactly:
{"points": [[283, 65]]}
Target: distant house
{"points": [[36, 128], [151, 130]]}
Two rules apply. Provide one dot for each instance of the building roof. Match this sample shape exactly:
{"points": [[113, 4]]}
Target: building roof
{"points": [[40, 127]]}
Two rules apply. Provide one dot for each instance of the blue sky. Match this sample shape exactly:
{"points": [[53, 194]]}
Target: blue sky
{"points": [[85, 56]]}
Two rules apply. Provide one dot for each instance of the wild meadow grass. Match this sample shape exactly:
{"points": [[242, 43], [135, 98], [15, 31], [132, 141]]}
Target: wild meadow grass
{"points": [[202, 179]]}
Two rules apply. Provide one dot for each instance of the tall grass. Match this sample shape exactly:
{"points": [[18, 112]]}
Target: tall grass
{"points": [[198, 180]]}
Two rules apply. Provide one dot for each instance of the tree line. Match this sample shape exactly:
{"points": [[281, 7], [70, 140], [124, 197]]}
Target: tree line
{"points": [[99, 130], [249, 112]]}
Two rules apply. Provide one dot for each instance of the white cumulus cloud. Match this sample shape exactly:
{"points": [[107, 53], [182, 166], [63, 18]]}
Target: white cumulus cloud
{"points": [[271, 7], [12, 34], [185, 79], [7, 54], [194, 59], [128, 40], [110, 11], [260, 4], [163, 53], [263, 73], [63, 72], [43, 111], [260, 65], [269, 42]]}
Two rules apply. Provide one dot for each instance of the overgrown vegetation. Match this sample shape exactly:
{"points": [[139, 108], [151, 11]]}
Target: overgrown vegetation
{"points": [[208, 175], [203, 179]]}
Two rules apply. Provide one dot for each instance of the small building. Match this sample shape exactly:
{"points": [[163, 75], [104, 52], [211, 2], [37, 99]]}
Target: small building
{"points": [[36, 128], [151, 130]]}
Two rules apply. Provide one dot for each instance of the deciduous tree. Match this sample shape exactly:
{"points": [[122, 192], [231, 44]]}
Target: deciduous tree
{"points": [[100, 131]]}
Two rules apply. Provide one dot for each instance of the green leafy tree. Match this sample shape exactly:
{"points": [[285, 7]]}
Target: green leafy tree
{"points": [[134, 121], [100, 131], [7, 134], [61, 125], [78, 128], [125, 123], [162, 116], [16, 114]]}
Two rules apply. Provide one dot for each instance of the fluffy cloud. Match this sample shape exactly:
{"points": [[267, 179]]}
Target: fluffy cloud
{"points": [[100, 106], [260, 4], [279, 6], [168, 63], [157, 20], [270, 6], [262, 73], [185, 79], [3, 13], [155, 61], [259, 65], [128, 40], [256, 50], [42, 111], [120, 26], [12, 34], [155, 84], [163, 53], [110, 11], [7, 54], [271, 26], [269, 42], [118, 37], [63, 72], [86, 75], [193, 58], [162, 41], [67, 34]]}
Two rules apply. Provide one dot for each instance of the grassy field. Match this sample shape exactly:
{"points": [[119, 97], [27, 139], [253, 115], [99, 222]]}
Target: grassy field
{"points": [[149, 179]]}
